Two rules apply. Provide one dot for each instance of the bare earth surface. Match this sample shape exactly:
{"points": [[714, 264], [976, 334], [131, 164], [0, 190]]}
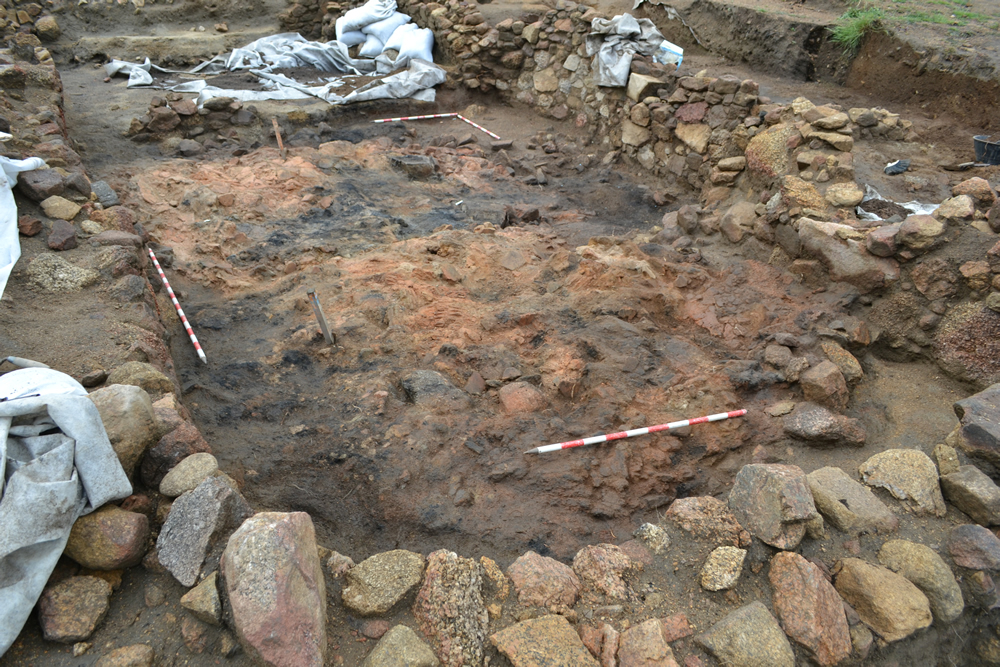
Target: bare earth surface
{"points": [[421, 275]]}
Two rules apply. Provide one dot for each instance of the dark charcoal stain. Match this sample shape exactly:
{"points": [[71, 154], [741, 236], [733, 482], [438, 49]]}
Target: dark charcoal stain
{"points": [[295, 358], [537, 545]]}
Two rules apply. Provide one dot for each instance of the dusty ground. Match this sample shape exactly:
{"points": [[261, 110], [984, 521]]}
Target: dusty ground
{"points": [[331, 430]]}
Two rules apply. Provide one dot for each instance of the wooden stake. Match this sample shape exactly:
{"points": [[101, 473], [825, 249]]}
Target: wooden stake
{"points": [[331, 339], [277, 135]]}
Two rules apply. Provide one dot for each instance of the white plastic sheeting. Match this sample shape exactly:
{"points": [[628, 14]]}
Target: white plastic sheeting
{"points": [[10, 245], [377, 25], [615, 41], [914, 207], [46, 482]]}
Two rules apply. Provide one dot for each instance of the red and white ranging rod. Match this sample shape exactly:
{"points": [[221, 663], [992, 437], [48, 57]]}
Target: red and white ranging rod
{"points": [[438, 115], [180, 312], [401, 118], [634, 432]]}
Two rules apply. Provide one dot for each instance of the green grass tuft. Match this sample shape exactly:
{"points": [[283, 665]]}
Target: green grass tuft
{"points": [[852, 27]]}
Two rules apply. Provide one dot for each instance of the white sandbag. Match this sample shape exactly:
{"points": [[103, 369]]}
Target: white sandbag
{"points": [[395, 41], [372, 11], [417, 45], [373, 46], [384, 29], [352, 37]]}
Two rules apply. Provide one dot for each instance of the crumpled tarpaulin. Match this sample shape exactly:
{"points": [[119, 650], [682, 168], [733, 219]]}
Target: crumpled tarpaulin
{"points": [[914, 207], [615, 41], [10, 244], [292, 50], [56, 464]]}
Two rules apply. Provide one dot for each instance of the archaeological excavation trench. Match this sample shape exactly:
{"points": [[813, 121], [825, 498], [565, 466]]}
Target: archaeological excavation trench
{"points": [[621, 257]]}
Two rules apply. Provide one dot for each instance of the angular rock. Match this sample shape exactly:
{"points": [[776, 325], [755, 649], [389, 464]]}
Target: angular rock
{"points": [[887, 602], [188, 474], [71, 610], [956, 209], [141, 374], [920, 232], [641, 86], [338, 564], [28, 225], [118, 218], [375, 585], [546, 81], [773, 501], [432, 390], [203, 600], [401, 647], [137, 655], [108, 539], [60, 208], [881, 241], [417, 167], [198, 522], [814, 423], [170, 450], [634, 135], [978, 434], [694, 136], [693, 112], [55, 275], [974, 547], [809, 607], [47, 29], [645, 645], [653, 537], [114, 237], [521, 397], [542, 582], [844, 195], [40, 184], [850, 507], [834, 121], [722, 569], [973, 492], [825, 384], [738, 163], [105, 194], [842, 142], [276, 589], [748, 636], [929, 573], [62, 236], [548, 640], [946, 458], [707, 518], [848, 364], [450, 609], [977, 188], [767, 152], [843, 252], [189, 148], [909, 475], [127, 413], [737, 221], [600, 568], [162, 119]]}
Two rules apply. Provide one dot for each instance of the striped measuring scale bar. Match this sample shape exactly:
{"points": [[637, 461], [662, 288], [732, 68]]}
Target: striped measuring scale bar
{"points": [[177, 305], [634, 432]]}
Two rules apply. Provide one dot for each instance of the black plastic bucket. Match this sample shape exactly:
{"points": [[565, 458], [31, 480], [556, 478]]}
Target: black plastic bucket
{"points": [[987, 151]]}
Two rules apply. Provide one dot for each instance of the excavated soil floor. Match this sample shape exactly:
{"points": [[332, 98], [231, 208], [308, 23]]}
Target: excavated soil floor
{"points": [[422, 275]]}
